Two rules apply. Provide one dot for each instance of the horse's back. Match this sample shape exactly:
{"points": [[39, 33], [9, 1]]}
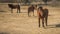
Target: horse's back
{"points": [[31, 8], [13, 6]]}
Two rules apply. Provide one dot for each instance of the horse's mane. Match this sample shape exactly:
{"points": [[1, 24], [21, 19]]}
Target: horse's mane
{"points": [[41, 8]]}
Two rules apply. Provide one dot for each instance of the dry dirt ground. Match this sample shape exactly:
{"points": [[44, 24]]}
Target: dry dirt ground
{"points": [[20, 23]]}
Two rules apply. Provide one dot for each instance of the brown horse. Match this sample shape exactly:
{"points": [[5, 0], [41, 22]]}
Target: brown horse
{"points": [[42, 14], [31, 9], [14, 7]]}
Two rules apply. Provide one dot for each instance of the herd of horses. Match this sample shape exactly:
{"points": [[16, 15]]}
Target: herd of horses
{"points": [[14, 7], [42, 13]]}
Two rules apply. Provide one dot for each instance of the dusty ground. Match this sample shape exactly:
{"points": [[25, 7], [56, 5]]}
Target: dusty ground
{"points": [[20, 23]]}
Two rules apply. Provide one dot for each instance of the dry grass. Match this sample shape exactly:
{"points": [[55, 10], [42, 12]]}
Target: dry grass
{"points": [[20, 23]]}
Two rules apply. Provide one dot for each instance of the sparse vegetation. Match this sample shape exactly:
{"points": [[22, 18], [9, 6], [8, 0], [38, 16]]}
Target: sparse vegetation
{"points": [[45, 1], [58, 0]]}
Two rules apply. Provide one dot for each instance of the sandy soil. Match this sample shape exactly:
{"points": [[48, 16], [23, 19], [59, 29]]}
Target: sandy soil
{"points": [[20, 23]]}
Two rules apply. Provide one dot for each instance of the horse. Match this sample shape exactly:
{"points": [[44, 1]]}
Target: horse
{"points": [[31, 9], [42, 14], [14, 7]]}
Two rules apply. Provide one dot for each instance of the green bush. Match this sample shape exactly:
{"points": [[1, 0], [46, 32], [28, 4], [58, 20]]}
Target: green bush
{"points": [[58, 0]]}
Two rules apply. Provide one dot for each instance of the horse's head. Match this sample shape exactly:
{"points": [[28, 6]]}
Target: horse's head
{"points": [[35, 7], [9, 5], [40, 11]]}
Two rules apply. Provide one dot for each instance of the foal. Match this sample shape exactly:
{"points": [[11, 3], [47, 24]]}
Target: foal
{"points": [[42, 14], [31, 9], [14, 7]]}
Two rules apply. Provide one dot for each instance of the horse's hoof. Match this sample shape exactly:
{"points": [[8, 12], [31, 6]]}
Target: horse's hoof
{"points": [[39, 26], [43, 26]]}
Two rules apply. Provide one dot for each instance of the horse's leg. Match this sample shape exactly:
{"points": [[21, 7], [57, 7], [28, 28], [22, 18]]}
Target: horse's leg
{"points": [[11, 10], [28, 13], [33, 13], [39, 20], [43, 22], [17, 10], [46, 20]]}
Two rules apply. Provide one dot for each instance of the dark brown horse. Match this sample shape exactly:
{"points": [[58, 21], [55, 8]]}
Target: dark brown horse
{"points": [[31, 9], [14, 7], [42, 14]]}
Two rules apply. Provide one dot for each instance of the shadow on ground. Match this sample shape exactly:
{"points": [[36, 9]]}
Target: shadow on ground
{"points": [[4, 33], [54, 26], [2, 11], [58, 25]]}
